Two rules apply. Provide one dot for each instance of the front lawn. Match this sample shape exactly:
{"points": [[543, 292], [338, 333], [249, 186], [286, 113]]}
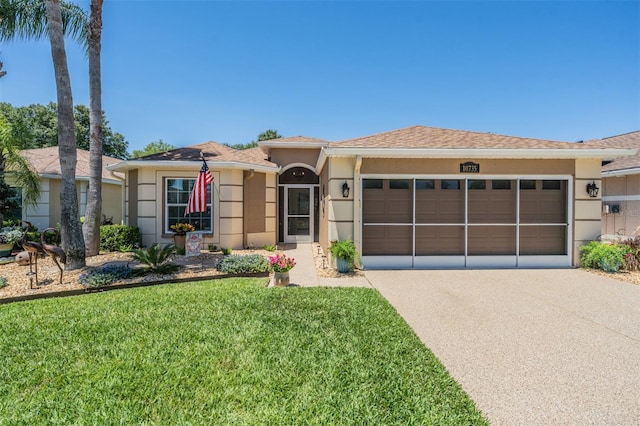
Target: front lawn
{"points": [[221, 352]]}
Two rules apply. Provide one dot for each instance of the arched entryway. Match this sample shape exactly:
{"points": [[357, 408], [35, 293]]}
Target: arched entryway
{"points": [[298, 200]]}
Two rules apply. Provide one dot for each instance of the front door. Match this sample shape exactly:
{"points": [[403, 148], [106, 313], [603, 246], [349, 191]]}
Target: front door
{"points": [[298, 214]]}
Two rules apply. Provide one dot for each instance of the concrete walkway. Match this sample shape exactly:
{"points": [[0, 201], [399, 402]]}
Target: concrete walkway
{"points": [[304, 274]]}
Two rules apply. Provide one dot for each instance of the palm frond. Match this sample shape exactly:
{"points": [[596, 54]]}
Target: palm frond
{"points": [[27, 20], [17, 167]]}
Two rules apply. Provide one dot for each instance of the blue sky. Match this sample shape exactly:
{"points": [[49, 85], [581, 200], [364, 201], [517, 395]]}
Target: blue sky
{"points": [[192, 71]]}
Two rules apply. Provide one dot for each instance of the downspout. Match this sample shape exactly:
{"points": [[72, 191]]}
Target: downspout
{"points": [[122, 193], [245, 207], [357, 205]]}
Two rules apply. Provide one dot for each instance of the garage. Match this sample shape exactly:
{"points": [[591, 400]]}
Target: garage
{"points": [[466, 222]]}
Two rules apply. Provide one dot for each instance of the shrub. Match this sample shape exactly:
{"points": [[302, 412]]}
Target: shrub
{"points": [[269, 247], [105, 275], [597, 255], [3, 282], [112, 237], [249, 264], [226, 251], [632, 255], [156, 259]]}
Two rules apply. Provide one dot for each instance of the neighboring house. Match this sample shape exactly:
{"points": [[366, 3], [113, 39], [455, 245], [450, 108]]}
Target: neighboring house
{"points": [[46, 163], [415, 197], [621, 188]]}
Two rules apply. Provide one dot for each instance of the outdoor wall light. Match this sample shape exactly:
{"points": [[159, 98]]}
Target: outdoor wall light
{"points": [[345, 189], [592, 189]]}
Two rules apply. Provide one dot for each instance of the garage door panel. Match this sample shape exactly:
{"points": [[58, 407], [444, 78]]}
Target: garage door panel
{"points": [[439, 240], [492, 240], [379, 240], [543, 240]]}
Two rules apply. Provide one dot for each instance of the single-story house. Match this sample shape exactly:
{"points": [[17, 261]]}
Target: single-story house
{"points": [[417, 197], [46, 163], [621, 188]]}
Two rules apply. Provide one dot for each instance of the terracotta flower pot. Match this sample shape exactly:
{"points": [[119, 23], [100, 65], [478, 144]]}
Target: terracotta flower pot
{"points": [[179, 240]]}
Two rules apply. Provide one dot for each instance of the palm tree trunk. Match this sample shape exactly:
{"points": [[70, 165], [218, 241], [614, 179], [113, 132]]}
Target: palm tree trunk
{"points": [[94, 197], [71, 229]]}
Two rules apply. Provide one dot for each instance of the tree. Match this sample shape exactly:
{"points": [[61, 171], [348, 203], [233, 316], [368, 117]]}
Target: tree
{"points": [[152, 148], [26, 19], [71, 229], [268, 135], [14, 165], [93, 212], [2, 73], [264, 136], [36, 126]]}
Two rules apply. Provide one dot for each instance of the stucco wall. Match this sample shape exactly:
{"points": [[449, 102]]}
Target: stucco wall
{"points": [[39, 215], [286, 156], [340, 210], [586, 225], [623, 192], [259, 209], [452, 166], [228, 207]]}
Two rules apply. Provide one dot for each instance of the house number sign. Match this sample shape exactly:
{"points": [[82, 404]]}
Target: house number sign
{"points": [[469, 167]]}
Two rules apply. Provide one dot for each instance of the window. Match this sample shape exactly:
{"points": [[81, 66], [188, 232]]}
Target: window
{"points": [[527, 184], [449, 184], [425, 184], [477, 184], [551, 184], [177, 197], [399, 184], [500, 184], [372, 184]]}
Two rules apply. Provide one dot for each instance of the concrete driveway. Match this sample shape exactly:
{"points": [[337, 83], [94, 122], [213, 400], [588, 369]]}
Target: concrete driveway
{"points": [[531, 347]]}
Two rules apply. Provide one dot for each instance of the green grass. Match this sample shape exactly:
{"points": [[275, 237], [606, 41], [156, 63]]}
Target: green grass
{"points": [[221, 352]]}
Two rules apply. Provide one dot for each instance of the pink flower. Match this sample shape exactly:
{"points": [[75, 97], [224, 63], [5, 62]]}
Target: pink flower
{"points": [[281, 263]]}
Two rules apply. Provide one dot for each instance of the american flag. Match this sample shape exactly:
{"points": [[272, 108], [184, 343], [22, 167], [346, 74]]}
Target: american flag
{"points": [[198, 198]]}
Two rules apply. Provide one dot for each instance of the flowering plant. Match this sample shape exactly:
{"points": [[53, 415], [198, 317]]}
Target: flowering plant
{"points": [[10, 235], [182, 228], [281, 263]]}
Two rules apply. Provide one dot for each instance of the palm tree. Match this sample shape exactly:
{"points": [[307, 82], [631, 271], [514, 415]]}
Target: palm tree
{"points": [[31, 19], [12, 164], [71, 229], [94, 197]]}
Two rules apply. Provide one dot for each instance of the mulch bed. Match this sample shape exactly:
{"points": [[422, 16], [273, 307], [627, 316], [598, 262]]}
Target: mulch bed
{"points": [[19, 285]]}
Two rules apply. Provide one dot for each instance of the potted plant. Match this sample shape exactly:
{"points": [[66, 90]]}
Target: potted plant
{"points": [[344, 251], [281, 265], [179, 238], [8, 237]]}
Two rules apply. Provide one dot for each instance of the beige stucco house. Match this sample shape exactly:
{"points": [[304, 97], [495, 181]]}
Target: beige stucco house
{"points": [[46, 163], [417, 197], [621, 188]]}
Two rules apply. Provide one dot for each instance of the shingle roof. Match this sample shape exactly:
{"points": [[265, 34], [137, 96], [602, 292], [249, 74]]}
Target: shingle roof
{"points": [[627, 140], [294, 139], [46, 161], [213, 152], [436, 138]]}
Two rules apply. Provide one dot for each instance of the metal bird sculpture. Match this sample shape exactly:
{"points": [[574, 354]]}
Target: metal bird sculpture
{"points": [[53, 250], [32, 248]]}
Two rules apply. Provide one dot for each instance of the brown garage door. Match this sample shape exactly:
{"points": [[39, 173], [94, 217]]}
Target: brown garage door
{"points": [[464, 217]]}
